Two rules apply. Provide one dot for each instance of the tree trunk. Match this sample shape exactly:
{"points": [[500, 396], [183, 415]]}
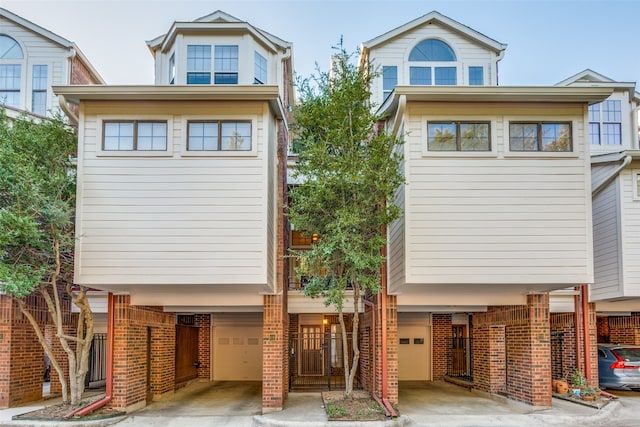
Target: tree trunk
{"points": [[351, 368]]}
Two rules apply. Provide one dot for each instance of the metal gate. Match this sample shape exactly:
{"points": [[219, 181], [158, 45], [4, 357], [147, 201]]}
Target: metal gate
{"points": [[97, 374], [316, 359], [459, 360]]}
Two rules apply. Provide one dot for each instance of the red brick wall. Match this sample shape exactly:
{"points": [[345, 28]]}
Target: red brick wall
{"points": [[80, 74], [563, 345], [625, 329], [602, 326], [489, 358], [392, 347], [441, 336], [130, 352], [21, 355], [527, 348], [274, 345]]}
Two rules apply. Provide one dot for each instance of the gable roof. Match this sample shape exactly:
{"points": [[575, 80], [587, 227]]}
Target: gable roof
{"points": [[53, 37], [217, 20], [589, 77], [442, 20]]}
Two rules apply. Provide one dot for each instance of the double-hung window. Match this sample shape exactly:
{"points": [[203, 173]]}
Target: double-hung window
{"points": [[198, 64], [226, 65], [260, 69], [540, 136], [211, 135], [458, 136], [605, 123], [476, 76], [39, 89], [134, 135]]}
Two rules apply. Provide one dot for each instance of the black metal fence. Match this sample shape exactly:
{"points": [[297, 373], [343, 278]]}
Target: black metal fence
{"points": [[459, 357], [97, 374], [316, 361]]}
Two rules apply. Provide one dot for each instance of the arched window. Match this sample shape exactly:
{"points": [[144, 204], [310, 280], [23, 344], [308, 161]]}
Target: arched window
{"points": [[10, 71], [9, 48], [432, 50], [428, 56]]}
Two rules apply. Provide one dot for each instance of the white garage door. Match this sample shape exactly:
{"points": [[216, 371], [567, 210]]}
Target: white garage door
{"points": [[237, 353], [414, 352]]}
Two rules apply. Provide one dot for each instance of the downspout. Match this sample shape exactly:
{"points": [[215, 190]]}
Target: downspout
{"points": [[65, 107], [584, 295], [108, 393], [612, 176], [577, 306]]}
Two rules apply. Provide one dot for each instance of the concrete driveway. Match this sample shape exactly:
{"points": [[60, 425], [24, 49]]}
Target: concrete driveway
{"points": [[221, 403]]}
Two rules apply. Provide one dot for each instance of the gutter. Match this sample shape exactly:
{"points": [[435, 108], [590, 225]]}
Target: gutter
{"points": [[65, 107], [80, 412], [584, 296], [614, 175]]}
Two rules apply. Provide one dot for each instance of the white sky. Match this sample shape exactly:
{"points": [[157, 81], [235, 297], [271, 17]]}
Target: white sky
{"points": [[548, 41]]}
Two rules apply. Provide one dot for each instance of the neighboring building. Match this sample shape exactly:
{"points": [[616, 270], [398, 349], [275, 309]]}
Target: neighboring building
{"points": [[32, 60], [179, 209], [615, 169]]}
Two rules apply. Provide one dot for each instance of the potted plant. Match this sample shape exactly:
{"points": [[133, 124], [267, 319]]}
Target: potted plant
{"points": [[588, 393], [578, 382], [561, 386]]}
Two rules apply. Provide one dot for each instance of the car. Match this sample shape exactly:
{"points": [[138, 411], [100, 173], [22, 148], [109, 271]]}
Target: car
{"points": [[619, 366]]}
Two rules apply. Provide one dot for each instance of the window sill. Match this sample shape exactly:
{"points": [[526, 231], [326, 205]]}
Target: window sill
{"points": [[542, 155], [134, 154], [219, 154], [468, 154]]}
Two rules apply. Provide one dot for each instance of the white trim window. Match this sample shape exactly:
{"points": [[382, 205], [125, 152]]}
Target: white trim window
{"points": [[222, 135], [433, 62], [226, 65], [635, 176], [605, 122], [540, 136], [134, 135], [476, 76], [198, 64]]}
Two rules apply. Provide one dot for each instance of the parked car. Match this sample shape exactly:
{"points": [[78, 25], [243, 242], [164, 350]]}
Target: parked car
{"points": [[619, 366]]}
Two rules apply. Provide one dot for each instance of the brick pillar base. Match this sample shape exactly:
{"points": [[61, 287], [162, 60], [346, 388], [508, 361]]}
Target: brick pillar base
{"points": [[274, 354], [441, 332], [392, 348], [203, 321]]}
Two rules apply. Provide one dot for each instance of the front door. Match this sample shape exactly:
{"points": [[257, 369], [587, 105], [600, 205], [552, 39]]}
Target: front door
{"points": [[311, 340], [186, 353], [459, 350]]}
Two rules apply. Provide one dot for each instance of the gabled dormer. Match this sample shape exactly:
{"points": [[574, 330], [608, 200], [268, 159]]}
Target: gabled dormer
{"points": [[613, 123], [219, 49], [432, 50]]}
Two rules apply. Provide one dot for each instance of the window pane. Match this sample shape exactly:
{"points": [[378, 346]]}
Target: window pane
{"points": [[594, 133], [172, 69], [556, 137], [611, 111], [152, 136], [446, 76], [235, 136], [198, 58], [198, 78], [474, 137], [260, 69], [9, 48], [118, 136], [419, 75], [476, 76], [226, 78], [594, 112], [226, 58], [611, 133], [39, 102], [432, 50], [441, 136], [389, 79], [523, 137], [39, 81], [10, 84], [203, 136]]}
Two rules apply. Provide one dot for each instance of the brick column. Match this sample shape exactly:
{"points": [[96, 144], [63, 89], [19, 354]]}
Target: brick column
{"points": [[274, 352], [441, 332], [489, 359], [203, 321], [392, 348]]}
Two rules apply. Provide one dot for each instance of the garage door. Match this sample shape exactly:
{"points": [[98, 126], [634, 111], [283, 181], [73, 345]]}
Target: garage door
{"points": [[414, 352], [237, 353]]}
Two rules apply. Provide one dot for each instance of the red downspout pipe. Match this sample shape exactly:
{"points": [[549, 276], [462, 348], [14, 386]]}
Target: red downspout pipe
{"points": [[108, 394], [584, 296], [577, 306]]}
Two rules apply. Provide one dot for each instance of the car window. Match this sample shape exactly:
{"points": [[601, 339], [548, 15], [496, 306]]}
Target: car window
{"points": [[601, 354], [629, 354]]}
